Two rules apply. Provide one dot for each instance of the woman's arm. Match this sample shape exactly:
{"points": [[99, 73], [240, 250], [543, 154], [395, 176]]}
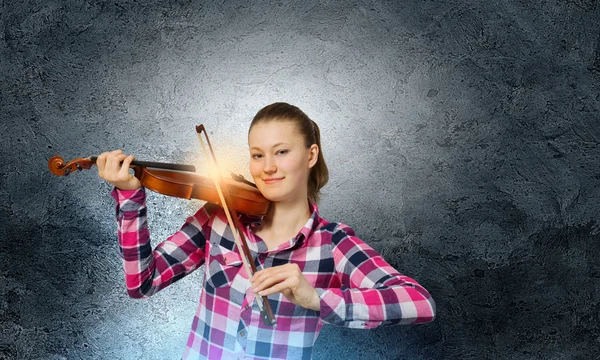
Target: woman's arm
{"points": [[148, 271], [373, 293]]}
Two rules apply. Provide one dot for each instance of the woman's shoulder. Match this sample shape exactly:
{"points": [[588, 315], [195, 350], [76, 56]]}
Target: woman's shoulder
{"points": [[338, 231], [207, 214]]}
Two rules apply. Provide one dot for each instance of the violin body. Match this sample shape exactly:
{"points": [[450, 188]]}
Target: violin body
{"points": [[241, 197]]}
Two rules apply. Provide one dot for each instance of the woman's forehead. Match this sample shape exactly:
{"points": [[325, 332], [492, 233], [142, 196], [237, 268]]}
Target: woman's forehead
{"points": [[273, 132]]}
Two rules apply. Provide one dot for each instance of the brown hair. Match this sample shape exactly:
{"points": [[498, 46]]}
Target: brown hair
{"points": [[280, 111]]}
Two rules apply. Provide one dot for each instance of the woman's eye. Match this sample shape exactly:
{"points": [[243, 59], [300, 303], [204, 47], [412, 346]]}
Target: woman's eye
{"points": [[282, 152], [256, 156]]}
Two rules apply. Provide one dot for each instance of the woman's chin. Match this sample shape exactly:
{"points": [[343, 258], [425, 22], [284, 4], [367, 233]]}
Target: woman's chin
{"points": [[275, 196]]}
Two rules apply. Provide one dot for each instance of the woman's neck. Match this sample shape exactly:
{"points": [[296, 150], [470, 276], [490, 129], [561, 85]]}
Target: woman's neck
{"points": [[283, 221]]}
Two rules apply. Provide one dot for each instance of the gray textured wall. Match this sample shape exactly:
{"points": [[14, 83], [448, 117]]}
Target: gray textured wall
{"points": [[462, 139]]}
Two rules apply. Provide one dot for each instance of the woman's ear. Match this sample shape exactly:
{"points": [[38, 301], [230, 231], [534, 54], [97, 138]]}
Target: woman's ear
{"points": [[313, 155]]}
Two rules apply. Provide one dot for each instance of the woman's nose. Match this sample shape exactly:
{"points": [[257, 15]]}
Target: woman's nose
{"points": [[270, 165]]}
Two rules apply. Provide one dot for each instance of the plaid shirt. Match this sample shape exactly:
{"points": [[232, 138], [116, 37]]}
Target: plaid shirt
{"points": [[356, 286]]}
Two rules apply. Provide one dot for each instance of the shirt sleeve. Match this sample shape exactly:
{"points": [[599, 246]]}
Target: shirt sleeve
{"points": [[373, 293], [148, 271]]}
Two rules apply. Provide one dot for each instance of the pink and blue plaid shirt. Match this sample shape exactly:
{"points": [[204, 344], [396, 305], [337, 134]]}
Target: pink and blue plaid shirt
{"points": [[357, 287]]}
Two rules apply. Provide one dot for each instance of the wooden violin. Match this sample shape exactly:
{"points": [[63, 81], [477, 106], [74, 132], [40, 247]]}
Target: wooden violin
{"points": [[179, 180]]}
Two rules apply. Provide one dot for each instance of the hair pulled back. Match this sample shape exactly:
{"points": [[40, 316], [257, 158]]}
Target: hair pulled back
{"points": [[308, 129]]}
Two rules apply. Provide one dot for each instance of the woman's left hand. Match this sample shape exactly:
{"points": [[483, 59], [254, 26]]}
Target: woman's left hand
{"points": [[289, 280]]}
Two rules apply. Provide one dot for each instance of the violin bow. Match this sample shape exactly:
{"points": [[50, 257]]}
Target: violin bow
{"points": [[266, 312]]}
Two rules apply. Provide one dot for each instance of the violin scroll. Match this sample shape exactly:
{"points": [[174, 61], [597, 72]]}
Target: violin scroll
{"points": [[57, 165]]}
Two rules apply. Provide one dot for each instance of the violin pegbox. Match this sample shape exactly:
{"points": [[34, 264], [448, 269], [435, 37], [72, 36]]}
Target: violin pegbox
{"points": [[57, 165]]}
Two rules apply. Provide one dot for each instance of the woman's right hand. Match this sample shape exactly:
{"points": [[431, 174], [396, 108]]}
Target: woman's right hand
{"points": [[111, 170]]}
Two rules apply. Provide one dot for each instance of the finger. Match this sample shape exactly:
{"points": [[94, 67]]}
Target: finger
{"points": [[289, 294], [274, 279], [260, 275], [263, 282], [124, 172], [268, 272], [112, 154], [101, 161], [112, 167], [276, 288], [263, 274], [110, 161], [114, 160]]}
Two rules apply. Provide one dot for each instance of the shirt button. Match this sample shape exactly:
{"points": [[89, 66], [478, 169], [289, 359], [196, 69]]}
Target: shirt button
{"points": [[246, 307], [242, 333]]}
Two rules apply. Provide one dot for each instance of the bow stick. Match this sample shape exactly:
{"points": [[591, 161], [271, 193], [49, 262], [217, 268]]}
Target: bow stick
{"points": [[266, 312]]}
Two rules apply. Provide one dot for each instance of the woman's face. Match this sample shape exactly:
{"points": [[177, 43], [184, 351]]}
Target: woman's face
{"points": [[279, 161]]}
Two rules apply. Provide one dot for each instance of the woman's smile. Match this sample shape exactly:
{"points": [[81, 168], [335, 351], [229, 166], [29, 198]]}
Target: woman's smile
{"points": [[272, 180]]}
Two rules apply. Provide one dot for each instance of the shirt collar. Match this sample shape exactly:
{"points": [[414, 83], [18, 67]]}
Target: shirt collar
{"points": [[309, 227]]}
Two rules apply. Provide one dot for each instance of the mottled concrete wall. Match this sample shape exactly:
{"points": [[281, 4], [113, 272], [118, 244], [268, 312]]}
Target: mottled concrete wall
{"points": [[462, 139]]}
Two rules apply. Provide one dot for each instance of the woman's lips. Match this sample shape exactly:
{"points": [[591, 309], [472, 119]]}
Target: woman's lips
{"points": [[272, 180]]}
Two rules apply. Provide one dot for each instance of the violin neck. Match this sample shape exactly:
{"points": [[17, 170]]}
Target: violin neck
{"points": [[157, 165]]}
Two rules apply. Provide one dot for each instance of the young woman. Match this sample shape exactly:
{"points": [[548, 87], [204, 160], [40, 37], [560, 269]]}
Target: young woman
{"points": [[314, 272]]}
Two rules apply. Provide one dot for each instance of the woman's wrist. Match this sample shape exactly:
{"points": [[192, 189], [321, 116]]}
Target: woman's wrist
{"points": [[315, 304]]}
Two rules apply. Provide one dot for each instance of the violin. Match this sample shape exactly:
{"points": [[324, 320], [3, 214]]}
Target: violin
{"points": [[180, 180]]}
